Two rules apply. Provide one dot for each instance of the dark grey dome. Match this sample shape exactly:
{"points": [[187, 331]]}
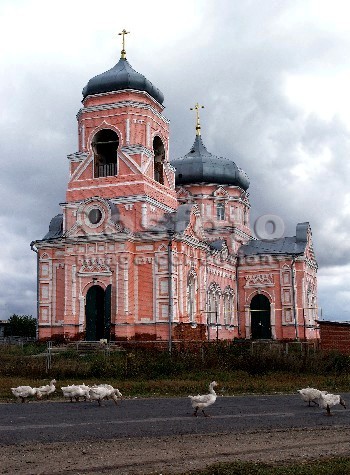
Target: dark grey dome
{"points": [[200, 166], [121, 76]]}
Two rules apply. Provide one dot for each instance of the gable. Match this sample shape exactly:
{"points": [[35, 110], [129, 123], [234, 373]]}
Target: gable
{"points": [[183, 194], [220, 192], [195, 225]]}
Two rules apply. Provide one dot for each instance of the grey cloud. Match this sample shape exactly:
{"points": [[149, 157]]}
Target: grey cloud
{"points": [[236, 66]]}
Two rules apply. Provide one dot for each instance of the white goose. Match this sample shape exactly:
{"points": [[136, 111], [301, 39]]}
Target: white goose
{"points": [[326, 401], [23, 392], [310, 395], [48, 389], [111, 390], [75, 391], [104, 391], [205, 400]]}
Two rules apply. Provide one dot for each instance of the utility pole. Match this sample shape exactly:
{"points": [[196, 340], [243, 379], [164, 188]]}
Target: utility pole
{"points": [[170, 290]]}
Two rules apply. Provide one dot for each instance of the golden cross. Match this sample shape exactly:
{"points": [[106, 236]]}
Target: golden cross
{"points": [[198, 125], [123, 52]]}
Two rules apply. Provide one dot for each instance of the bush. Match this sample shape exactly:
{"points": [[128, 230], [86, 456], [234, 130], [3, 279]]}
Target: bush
{"points": [[210, 360], [21, 325]]}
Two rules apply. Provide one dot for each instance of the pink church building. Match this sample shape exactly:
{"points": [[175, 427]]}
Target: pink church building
{"points": [[152, 248]]}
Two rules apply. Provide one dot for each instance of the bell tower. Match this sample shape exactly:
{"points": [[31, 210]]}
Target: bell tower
{"points": [[94, 279], [122, 165]]}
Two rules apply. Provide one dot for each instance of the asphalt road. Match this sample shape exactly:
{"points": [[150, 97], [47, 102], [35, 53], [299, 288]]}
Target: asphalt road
{"points": [[64, 421]]}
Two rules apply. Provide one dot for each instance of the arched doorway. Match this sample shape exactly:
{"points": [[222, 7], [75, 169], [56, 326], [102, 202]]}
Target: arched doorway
{"points": [[98, 313], [260, 317]]}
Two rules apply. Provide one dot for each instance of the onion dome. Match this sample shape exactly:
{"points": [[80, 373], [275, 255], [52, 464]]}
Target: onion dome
{"points": [[121, 76], [200, 166]]}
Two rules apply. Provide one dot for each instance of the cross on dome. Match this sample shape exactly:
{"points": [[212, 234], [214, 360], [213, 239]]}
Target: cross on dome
{"points": [[123, 52], [198, 125]]}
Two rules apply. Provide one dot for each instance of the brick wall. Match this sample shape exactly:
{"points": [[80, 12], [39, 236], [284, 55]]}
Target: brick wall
{"points": [[335, 336], [184, 331]]}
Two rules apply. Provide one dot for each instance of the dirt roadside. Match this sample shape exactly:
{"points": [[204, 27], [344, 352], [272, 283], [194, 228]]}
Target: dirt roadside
{"points": [[171, 455]]}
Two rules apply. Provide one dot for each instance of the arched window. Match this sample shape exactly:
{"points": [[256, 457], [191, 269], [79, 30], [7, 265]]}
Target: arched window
{"points": [[245, 217], [105, 145], [213, 304], [191, 296], [212, 308], [310, 312], [159, 157], [220, 211], [228, 306]]}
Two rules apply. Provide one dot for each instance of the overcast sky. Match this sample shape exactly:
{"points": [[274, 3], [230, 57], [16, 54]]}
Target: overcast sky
{"points": [[273, 75]]}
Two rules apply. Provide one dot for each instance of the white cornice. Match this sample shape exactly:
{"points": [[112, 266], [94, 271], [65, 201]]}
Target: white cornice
{"points": [[192, 241], [122, 200], [233, 230], [144, 199], [109, 185], [122, 104], [202, 196], [243, 234], [121, 91], [204, 183]]}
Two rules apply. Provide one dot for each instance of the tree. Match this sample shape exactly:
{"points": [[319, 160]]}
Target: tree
{"points": [[21, 325]]}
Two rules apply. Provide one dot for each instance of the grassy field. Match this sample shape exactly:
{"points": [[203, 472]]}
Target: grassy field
{"points": [[230, 383], [329, 466], [151, 373]]}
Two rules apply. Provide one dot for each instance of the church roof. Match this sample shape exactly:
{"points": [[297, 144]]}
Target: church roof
{"points": [[285, 245], [218, 244], [121, 76], [55, 228], [175, 222], [201, 166], [294, 245]]}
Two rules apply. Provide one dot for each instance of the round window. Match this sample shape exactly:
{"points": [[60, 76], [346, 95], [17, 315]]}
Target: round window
{"points": [[95, 215]]}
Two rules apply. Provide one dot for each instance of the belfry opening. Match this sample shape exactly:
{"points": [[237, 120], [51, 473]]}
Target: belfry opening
{"points": [[105, 147], [159, 158]]}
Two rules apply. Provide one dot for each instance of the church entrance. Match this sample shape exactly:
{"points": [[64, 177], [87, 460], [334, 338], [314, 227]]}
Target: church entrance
{"points": [[98, 313], [260, 317]]}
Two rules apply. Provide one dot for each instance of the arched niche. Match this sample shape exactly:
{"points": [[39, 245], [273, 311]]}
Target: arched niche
{"points": [[105, 147]]}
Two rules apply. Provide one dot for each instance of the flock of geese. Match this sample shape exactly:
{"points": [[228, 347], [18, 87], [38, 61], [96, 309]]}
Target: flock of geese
{"points": [[72, 392], [321, 398], [99, 392]]}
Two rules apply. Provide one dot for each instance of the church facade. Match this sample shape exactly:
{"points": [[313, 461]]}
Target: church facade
{"points": [[149, 248]]}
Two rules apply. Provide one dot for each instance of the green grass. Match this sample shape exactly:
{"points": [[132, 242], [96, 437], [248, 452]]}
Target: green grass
{"points": [[151, 373], [230, 383], [329, 466]]}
